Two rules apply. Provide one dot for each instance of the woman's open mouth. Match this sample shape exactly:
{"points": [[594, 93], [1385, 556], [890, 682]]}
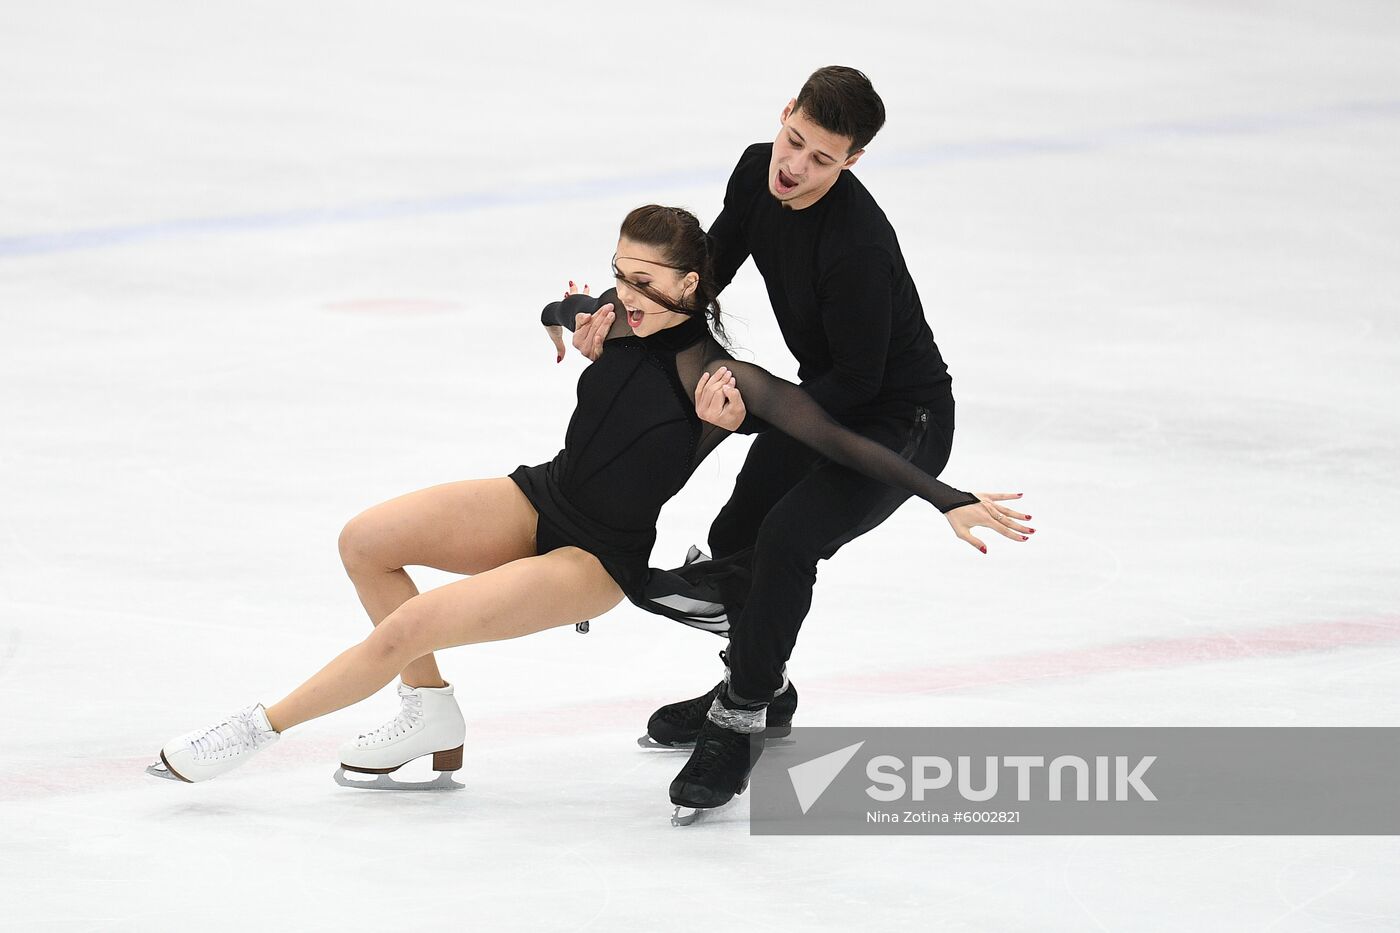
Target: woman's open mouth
{"points": [[634, 318], [784, 182]]}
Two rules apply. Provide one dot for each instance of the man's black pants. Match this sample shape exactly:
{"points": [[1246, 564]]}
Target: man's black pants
{"points": [[794, 508]]}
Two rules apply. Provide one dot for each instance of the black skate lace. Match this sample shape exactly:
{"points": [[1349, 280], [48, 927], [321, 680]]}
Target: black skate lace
{"points": [[686, 711], [710, 756]]}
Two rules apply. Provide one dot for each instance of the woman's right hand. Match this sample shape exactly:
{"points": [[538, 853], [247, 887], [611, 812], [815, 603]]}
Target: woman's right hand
{"points": [[988, 514], [590, 330]]}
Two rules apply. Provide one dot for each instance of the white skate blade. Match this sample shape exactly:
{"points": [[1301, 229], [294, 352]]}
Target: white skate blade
{"points": [[651, 744], [444, 781], [647, 741], [161, 771], [689, 816], [686, 816]]}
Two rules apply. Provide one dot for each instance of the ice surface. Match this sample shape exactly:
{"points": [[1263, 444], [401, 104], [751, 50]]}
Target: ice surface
{"points": [[265, 265]]}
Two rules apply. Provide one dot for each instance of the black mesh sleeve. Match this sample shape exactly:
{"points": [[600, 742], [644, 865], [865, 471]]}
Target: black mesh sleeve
{"points": [[792, 411], [563, 312]]}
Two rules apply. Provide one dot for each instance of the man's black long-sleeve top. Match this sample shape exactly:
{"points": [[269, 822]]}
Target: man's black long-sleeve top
{"points": [[841, 292]]}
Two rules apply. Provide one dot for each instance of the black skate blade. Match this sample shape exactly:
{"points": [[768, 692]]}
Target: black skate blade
{"points": [[647, 741], [444, 781]]}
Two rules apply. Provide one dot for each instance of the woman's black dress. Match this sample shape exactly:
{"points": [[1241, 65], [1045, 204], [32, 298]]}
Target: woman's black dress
{"points": [[634, 440]]}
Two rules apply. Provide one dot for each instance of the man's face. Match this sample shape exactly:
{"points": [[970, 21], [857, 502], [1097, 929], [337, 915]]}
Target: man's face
{"points": [[807, 160]]}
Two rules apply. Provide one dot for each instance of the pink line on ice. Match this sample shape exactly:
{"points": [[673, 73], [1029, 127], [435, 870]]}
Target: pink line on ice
{"points": [[75, 775], [1146, 654]]}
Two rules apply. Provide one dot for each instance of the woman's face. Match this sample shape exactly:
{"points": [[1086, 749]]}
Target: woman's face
{"points": [[646, 265]]}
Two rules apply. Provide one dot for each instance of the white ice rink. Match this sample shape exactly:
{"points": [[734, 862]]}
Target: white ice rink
{"points": [[265, 265]]}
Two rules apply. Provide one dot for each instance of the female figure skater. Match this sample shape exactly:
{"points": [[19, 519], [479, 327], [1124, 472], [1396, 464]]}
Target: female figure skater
{"points": [[562, 542]]}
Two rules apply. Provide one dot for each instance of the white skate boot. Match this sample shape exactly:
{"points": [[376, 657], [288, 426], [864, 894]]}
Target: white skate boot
{"points": [[429, 723], [207, 753]]}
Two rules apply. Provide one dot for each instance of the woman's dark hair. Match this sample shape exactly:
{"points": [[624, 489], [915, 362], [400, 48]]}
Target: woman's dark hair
{"points": [[677, 233], [842, 100]]}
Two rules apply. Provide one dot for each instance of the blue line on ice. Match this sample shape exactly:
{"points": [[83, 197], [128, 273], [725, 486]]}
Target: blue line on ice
{"points": [[971, 151]]}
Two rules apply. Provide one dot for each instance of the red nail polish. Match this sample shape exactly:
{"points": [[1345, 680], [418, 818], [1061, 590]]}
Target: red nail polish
{"points": [[571, 283], [1032, 530], [983, 550], [1029, 517]]}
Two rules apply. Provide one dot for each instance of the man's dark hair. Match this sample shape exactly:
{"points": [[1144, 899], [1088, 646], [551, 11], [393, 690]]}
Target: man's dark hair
{"points": [[841, 100]]}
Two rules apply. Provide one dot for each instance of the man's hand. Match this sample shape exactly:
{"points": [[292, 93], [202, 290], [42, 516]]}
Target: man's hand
{"points": [[717, 400], [590, 330], [988, 514]]}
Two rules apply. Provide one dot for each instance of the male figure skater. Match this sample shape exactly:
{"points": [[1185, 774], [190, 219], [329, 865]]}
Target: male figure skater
{"points": [[849, 312]]}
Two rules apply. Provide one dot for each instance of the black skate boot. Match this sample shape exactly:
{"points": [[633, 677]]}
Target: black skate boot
{"points": [[676, 725], [726, 750]]}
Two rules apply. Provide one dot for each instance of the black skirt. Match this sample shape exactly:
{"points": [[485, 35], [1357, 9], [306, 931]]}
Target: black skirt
{"points": [[623, 554]]}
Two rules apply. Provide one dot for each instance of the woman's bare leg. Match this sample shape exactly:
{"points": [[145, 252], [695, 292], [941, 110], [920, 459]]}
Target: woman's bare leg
{"points": [[562, 587], [466, 527]]}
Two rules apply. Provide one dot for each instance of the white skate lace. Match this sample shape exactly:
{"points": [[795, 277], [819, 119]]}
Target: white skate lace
{"points": [[409, 715], [238, 732]]}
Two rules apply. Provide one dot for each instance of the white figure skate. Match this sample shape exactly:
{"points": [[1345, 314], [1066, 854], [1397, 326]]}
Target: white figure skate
{"points": [[207, 753], [429, 723]]}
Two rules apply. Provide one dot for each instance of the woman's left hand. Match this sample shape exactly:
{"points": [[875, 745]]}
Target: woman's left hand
{"points": [[717, 400], [989, 514]]}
